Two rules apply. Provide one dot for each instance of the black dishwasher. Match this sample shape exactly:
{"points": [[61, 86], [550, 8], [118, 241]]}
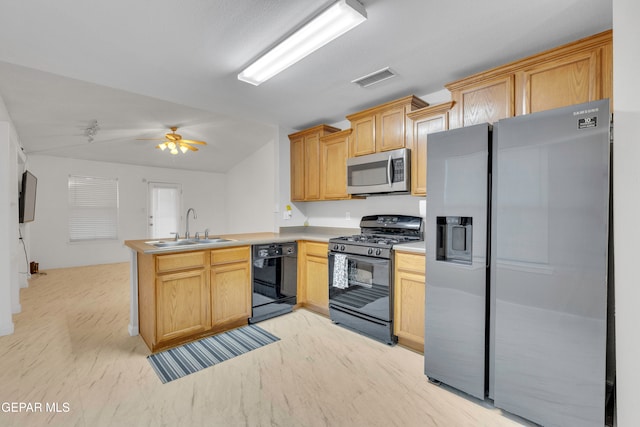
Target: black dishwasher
{"points": [[274, 271]]}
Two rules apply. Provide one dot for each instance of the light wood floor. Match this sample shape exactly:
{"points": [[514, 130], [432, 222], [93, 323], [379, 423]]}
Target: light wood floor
{"points": [[71, 347]]}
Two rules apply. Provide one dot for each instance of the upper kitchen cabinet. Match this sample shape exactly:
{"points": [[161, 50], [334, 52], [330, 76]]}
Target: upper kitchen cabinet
{"points": [[334, 151], [574, 73], [383, 128], [482, 101], [305, 162], [425, 121]]}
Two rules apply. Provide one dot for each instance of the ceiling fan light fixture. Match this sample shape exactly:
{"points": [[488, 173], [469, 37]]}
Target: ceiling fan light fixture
{"points": [[175, 143], [333, 22]]}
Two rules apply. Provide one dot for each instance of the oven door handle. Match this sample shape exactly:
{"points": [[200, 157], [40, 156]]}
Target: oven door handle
{"points": [[370, 260]]}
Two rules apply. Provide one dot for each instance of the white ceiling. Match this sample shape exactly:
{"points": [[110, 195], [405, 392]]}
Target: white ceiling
{"points": [[140, 66]]}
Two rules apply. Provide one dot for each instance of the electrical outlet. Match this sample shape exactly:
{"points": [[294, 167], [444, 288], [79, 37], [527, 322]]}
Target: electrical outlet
{"points": [[347, 215]]}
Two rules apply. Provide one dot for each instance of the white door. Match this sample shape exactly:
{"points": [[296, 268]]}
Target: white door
{"points": [[164, 209]]}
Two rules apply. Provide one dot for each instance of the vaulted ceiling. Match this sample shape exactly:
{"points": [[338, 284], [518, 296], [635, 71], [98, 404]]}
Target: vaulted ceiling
{"points": [[141, 66]]}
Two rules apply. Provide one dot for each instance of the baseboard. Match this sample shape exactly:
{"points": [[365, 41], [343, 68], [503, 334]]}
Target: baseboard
{"points": [[133, 330], [16, 309], [6, 329]]}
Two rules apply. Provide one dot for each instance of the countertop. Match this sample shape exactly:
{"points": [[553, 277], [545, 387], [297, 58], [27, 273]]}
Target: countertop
{"points": [[415, 247], [287, 234], [318, 234]]}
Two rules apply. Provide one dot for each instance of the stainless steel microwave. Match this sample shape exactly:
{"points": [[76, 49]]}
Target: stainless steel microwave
{"points": [[386, 172]]}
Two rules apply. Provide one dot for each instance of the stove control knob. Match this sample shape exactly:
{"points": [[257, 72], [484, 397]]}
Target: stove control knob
{"points": [[370, 251], [378, 251], [342, 248], [336, 247]]}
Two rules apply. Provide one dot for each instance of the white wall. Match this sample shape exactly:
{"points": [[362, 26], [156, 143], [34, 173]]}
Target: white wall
{"points": [[11, 159], [49, 242], [626, 179], [6, 321], [14, 194], [251, 192]]}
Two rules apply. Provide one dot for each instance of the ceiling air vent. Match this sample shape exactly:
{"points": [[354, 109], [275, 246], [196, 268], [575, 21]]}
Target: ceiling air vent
{"points": [[375, 77]]}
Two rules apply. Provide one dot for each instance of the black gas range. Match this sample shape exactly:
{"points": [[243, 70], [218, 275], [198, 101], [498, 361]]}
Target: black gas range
{"points": [[361, 274], [378, 235]]}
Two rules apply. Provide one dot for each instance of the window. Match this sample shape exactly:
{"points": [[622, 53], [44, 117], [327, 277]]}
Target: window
{"points": [[93, 208]]}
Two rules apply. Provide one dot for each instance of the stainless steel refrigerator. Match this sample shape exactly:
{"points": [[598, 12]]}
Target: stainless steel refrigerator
{"points": [[517, 250]]}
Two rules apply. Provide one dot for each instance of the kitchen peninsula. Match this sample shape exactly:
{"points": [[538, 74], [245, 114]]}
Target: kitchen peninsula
{"points": [[183, 292]]}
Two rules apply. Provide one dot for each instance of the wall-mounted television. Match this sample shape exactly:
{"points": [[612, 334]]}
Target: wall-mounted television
{"points": [[27, 204]]}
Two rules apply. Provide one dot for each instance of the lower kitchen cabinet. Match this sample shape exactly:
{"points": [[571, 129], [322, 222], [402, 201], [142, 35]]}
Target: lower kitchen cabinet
{"points": [[230, 285], [409, 299], [313, 276], [183, 296], [182, 304]]}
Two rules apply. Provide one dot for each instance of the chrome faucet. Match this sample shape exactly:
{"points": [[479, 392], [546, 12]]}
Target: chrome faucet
{"points": [[195, 216]]}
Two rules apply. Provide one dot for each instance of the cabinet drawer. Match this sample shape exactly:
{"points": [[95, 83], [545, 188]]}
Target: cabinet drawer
{"points": [[181, 261], [317, 249], [226, 255], [410, 262]]}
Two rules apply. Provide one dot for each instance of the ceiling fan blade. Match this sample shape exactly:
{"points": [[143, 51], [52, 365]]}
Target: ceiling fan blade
{"points": [[191, 141], [183, 144]]}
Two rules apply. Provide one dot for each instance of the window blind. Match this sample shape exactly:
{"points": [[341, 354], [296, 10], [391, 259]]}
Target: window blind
{"points": [[93, 208]]}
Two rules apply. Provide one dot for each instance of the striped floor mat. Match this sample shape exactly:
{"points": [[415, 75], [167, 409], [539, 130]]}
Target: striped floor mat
{"points": [[189, 358]]}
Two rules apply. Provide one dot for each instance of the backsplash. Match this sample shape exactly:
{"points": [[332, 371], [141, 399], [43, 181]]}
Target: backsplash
{"points": [[347, 213]]}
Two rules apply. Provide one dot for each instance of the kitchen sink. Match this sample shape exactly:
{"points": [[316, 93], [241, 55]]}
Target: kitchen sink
{"points": [[185, 242], [212, 240], [169, 243]]}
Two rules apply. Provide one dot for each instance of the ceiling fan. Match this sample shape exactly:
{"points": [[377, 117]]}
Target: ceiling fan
{"points": [[174, 142]]}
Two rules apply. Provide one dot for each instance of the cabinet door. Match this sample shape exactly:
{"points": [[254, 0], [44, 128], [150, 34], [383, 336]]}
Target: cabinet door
{"points": [[363, 139], [333, 168], [297, 169], [573, 79], [409, 309], [317, 280], [313, 276], [312, 167], [484, 102], [392, 129], [409, 300], [182, 304], [422, 128], [230, 292]]}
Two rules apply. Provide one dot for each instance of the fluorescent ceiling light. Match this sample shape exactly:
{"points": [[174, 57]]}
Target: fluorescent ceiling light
{"points": [[339, 18]]}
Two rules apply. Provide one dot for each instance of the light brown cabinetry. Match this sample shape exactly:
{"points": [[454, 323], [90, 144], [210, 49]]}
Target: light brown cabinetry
{"points": [[334, 151], [313, 276], [384, 127], [230, 285], [486, 101], [305, 162], [426, 120], [577, 72], [185, 295], [409, 299], [182, 304]]}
